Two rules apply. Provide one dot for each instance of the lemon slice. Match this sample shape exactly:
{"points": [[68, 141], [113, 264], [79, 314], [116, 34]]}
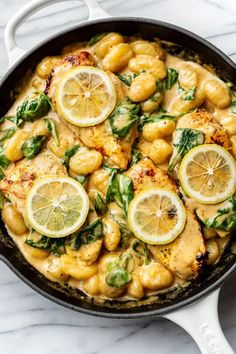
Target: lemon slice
{"points": [[156, 216], [57, 206], [85, 96], [208, 174]]}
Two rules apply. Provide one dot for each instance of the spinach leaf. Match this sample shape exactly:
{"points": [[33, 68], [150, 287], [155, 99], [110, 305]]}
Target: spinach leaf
{"points": [[171, 79], [184, 139], [88, 234], [2, 200], [69, 153], [81, 179], [119, 271], [140, 248], [7, 134], [4, 162], [187, 95], [159, 86], [155, 117], [120, 190], [52, 129], [225, 218], [33, 146], [97, 38], [233, 107], [123, 119], [126, 79], [136, 157], [100, 204], [34, 106], [54, 245], [10, 118], [2, 174]]}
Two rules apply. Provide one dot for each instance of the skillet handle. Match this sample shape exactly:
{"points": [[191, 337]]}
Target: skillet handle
{"points": [[14, 52], [201, 321]]}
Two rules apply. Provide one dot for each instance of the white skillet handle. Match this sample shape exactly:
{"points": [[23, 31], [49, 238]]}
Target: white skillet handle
{"points": [[201, 321], [14, 52]]}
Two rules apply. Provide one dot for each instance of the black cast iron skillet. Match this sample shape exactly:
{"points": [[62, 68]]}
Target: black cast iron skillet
{"points": [[174, 304]]}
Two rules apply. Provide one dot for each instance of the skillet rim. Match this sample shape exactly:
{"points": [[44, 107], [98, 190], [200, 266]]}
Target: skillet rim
{"points": [[144, 313]]}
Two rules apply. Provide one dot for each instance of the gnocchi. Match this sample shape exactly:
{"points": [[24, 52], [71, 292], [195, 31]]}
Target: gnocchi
{"points": [[142, 87], [117, 58], [150, 64]]}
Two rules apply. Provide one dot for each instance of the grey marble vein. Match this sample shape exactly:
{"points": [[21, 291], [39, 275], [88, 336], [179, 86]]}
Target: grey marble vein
{"points": [[30, 324]]}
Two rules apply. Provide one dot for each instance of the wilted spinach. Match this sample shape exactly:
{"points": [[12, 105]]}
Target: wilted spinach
{"points": [[69, 153], [187, 95], [184, 139], [100, 204], [140, 248], [120, 190], [7, 134], [119, 271], [233, 107], [225, 218], [123, 119], [4, 163], [155, 117], [136, 156], [34, 106], [30, 148], [51, 126], [97, 38], [2, 200], [54, 245], [88, 234], [171, 78], [81, 179], [126, 79]]}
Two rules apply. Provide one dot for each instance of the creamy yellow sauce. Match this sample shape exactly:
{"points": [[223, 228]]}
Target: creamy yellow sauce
{"points": [[180, 267]]}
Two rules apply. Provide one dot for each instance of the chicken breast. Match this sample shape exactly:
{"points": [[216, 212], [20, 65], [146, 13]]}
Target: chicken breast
{"points": [[20, 177], [145, 174], [63, 65], [205, 122], [100, 137], [183, 255]]}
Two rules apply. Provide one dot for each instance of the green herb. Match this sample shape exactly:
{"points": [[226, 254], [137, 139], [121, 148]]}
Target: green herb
{"points": [[81, 179], [136, 157], [187, 95], [171, 78], [123, 119], [110, 170], [55, 245], [69, 154], [156, 117], [225, 218], [7, 134], [2, 200], [233, 107], [97, 38], [2, 174], [4, 162], [159, 86], [140, 248], [10, 118], [34, 106], [120, 190], [100, 204], [184, 139], [33, 146], [126, 79], [51, 126], [119, 271], [88, 234]]}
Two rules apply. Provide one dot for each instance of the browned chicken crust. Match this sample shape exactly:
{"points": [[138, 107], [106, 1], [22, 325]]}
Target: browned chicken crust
{"points": [[205, 121]]}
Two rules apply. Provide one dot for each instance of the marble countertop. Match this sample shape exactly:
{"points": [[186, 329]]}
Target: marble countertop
{"points": [[28, 322]]}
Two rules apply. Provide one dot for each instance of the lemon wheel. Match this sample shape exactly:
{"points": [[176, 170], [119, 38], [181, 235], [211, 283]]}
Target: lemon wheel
{"points": [[85, 96], [156, 216], [207, 174], [57, 206]]}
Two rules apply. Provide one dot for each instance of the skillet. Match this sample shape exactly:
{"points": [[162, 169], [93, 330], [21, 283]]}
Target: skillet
{"points": [[200, 299]]}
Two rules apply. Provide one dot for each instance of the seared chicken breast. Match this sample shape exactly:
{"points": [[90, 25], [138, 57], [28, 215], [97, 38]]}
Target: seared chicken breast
{"points": [[182, 255], [205, 122]]}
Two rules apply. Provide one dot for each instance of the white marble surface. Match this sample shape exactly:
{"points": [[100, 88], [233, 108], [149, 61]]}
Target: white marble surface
{"points": [[30, 324]]}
